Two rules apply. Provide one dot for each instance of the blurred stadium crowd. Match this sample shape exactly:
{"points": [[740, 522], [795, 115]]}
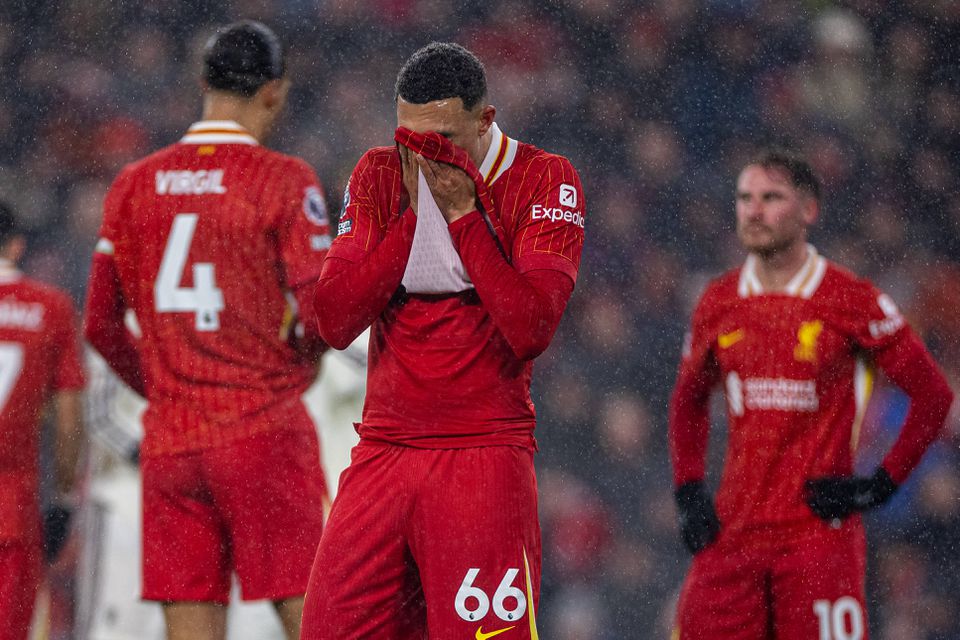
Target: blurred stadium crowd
{"points": [[658, 103]]}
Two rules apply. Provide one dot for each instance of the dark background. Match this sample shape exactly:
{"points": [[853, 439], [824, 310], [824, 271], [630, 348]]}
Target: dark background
{"points": [[658, 104]]}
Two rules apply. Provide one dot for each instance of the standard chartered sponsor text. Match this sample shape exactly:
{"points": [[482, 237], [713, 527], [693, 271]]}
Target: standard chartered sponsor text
{"points": [[781, 394]]}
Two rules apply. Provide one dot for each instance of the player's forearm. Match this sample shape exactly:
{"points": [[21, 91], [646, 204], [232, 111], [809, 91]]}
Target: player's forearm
{"points": [[303, 336], [525, 307], [103, 324], [68, 409], [117, 349], [689, 428], [909, 366], [351, 295]]}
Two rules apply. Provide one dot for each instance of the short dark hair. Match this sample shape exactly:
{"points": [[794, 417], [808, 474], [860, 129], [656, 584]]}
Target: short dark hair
{"points": [[795, 165], [442, 70], [242, 57], [9, 225]]}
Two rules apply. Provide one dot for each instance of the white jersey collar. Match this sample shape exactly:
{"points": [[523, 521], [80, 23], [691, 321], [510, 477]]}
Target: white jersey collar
{"points": [[8, 271], [802, 285], [500, 155], [217, 132]]}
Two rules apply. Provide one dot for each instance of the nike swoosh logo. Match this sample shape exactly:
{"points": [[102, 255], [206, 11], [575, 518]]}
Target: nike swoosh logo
{"points": [[483, 636], [727, 340]]}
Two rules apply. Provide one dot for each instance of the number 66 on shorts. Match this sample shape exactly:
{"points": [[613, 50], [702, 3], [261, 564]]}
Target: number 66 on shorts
{"points": [[505, 594]]}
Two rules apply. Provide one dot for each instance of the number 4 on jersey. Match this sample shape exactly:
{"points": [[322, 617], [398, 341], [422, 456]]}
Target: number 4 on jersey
{"points": [[203, 298]]}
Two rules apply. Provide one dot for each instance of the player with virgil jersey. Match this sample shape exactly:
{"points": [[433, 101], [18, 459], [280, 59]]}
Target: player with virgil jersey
{"points": [[793, 339], [460, 246], [214, 243], [39, 364]]}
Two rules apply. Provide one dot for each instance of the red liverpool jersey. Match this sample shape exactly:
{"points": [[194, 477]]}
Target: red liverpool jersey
{"points": [[39, 354], [796, 368], [440, 372], [213, 240]]}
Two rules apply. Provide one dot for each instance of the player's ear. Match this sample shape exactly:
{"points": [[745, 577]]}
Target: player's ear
{"points": [[273, 94], [811, 210], [14, 249], [487, 115]]}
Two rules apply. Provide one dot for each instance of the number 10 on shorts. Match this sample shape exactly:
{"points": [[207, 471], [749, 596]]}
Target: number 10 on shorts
{"points": [[840, 620], [472, 603]]}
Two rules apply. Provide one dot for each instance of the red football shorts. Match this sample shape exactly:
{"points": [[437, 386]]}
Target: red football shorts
{"points": [[420, 542], [19, 579], [812, 588], [253, 506]]}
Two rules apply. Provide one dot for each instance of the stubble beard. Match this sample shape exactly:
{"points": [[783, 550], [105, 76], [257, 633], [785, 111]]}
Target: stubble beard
{"points": [[767, 247]]}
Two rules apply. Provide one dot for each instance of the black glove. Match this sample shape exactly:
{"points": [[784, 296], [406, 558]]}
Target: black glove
{"points": [[56, 528], [699, 524], [832, 498]]}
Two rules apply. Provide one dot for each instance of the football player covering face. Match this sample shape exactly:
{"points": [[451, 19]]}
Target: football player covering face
{"points": [[469, 129], [772, 219], [460, 298]]}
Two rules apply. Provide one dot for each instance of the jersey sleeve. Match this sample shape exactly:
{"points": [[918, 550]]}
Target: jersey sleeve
{"points": [[526, 308], [68, 374], [876, 321], [689, 414], [111, 227], [304, 226], [882, 332], [369, 255], [550, 233], [360, 228], [105, 306]]}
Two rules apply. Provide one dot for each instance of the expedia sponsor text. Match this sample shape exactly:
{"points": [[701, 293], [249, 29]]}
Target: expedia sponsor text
{"points": [[556, 214]]}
